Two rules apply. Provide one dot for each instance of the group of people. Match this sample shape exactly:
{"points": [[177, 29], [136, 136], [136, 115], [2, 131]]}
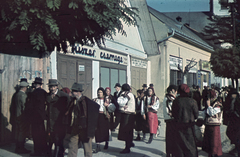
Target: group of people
{"points": [[68, 120], [181, 108]]}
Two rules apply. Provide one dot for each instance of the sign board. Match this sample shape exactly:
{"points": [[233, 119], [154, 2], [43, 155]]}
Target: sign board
{"points": [[96, 53], [81, 68], [139, 63], [174, 61], [205, 65]]}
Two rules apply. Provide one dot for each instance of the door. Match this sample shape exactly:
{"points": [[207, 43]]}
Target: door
{"points": [[84, 76], [66, 71]]}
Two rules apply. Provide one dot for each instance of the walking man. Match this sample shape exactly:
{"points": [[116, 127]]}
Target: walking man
{"points": [[57, 103], [83, 116]]}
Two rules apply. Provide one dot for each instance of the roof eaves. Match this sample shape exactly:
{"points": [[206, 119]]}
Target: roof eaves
{"points": [[195, 41]]}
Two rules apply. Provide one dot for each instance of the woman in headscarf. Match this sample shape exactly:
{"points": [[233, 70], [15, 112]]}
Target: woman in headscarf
{"points": [[184, 112], [127, 108], [102, 131], [150, 105], [212, 137], [112, 107]]}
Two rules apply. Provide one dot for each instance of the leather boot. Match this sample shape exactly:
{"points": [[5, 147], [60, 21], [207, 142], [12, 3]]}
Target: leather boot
{"points": [[106, 145], [150, 139], [138, 138]]}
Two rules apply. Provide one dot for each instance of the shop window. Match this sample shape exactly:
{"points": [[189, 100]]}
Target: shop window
{"points": [[175, 77], [111, 76], [105, 73], [191, 79]]}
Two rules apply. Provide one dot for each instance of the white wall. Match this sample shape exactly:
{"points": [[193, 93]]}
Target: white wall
{"points": [[95, 76]]}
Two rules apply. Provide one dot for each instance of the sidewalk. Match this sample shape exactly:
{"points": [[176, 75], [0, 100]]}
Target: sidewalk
{"points": [[141, 149]]}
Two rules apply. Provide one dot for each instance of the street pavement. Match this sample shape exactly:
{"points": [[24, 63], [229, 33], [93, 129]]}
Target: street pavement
{"points": [[141, 149]]}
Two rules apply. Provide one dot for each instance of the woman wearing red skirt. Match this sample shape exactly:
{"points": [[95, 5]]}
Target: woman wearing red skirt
{"points": [[150, 105], [212, 137]]}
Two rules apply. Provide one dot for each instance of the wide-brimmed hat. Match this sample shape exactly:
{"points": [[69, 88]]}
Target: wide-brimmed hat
{"points": [[52, 82], [23, 80], [117, 85], [77, 87], [144, 85], [150, 85], [23, 84], [38, 80]]}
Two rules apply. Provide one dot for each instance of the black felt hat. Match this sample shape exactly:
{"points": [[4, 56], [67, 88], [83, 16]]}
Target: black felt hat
{"points": [[52, 82], [117, 85], [77, 87], [38, 80]]}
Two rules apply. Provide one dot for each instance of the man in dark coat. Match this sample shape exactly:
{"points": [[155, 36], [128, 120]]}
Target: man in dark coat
{"points": [[197, 96], [37, 115], [83, 116], [20, 118], [184, 112], [57, 102], [145, 89], [117, 114]]}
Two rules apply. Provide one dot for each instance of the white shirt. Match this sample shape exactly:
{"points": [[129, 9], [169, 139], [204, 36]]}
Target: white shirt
{"points": [[155, 106], [101, 104], [128, 104]]}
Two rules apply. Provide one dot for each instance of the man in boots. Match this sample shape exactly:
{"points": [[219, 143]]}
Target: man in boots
{"points": [[83, 116], [57, 103]]}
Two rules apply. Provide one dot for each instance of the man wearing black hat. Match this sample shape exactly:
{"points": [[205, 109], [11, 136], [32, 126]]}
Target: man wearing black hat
{"points": [[145, 89], [57, 102], [13, 109], [37, 115], [20, 117], [117, 113], [83, 116]]}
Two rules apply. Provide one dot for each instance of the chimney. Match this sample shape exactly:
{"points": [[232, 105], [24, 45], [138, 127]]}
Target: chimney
{"points": [[179, 19], [211, 6]]}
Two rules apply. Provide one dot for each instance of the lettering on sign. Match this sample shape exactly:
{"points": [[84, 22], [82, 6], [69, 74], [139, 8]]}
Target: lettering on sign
{"points": [[90, 52], [139, 63]]}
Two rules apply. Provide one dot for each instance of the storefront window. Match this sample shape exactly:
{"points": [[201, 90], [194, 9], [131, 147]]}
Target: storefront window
{"points": [[114, 78], [191, 79], [122, 76], [175, 77], [111, 76], [104, 77]]}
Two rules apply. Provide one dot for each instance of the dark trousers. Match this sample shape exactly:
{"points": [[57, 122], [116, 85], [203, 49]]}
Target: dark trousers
{"points": [[56, 138], [39, 136], [22, 128], [118, 119]]}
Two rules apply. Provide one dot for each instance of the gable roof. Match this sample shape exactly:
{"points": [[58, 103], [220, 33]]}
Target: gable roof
{"points": [[180, 30]]}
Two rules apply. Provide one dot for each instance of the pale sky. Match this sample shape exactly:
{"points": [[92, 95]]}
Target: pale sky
{"points": [[179, 5], [186, 6]]}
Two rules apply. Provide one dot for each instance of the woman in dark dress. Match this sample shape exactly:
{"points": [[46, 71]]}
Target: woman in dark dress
{"points": [[185, 112]]}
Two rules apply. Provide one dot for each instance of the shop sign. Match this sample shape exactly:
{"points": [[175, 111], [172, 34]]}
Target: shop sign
{"points": [[174, 61], [81, 68], [98, 54], [139, 63], [205, 65]]}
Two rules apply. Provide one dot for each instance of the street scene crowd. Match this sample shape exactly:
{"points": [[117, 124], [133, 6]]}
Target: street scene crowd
{"points": [[192, 118]]}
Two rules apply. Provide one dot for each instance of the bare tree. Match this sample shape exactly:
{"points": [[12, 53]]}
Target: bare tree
{"points": [[187, 68]]}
